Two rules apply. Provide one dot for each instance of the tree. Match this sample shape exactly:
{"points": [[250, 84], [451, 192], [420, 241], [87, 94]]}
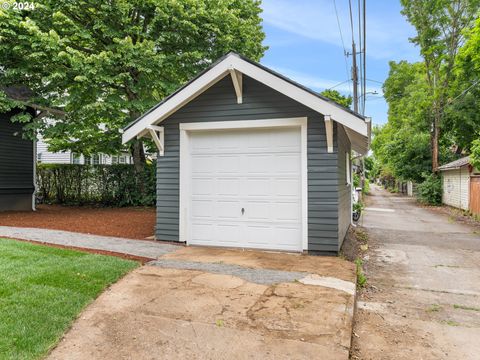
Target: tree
{"points": [[102, 64], [334, 95], [402, 145], [463, 110], [440, 28]]}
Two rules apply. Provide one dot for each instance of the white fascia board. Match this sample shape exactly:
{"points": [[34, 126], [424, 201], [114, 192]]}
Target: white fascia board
{"points": [[178, 100], [221, 70], [300, 95]]}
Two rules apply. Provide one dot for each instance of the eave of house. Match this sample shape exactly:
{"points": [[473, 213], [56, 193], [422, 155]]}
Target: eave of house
{"points": [[357, 127]]}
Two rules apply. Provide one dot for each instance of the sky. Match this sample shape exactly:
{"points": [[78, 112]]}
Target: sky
{"points": [[305, 44]]}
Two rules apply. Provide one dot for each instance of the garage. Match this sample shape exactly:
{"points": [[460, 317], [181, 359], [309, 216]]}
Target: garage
{"points": [[245, 186], [247, 158]]}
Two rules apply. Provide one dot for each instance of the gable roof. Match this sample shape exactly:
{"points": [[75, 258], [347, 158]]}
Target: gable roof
{"points": [[357, 127], [457, 164]]}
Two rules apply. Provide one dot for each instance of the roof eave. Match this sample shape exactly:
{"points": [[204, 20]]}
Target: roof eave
{"points": [[353, 121]]}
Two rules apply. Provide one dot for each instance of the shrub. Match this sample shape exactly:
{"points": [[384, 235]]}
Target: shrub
{"points": [[106, 185], [475, 155], [366, 186], [361, 278], [356, 180], [430, 190]]}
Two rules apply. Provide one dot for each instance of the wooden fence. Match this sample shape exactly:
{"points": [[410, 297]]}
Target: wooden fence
{"points": [[475, 194]]}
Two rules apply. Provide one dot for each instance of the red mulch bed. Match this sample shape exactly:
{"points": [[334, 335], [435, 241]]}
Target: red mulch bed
{"points": [[132, 223]]}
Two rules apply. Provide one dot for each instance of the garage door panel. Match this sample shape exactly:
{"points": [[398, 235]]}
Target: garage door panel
{"points": [[284, 235], [287, 164], [258, 235], [225, 209], [258, 187], [202, 186], [228, 233], [202, 232], [201, 165], [226, 141], [258, 170], [202, 208], [227, 164], [201, 145], [287, 211], [257, 211], [228, 186], [287, 187], [259, 164]]}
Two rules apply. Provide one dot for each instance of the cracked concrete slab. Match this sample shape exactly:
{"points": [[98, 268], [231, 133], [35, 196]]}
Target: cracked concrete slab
{"points": [[216, 311]]}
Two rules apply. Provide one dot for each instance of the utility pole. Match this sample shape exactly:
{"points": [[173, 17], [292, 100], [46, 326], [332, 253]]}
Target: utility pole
{"points": [[354, 77]]}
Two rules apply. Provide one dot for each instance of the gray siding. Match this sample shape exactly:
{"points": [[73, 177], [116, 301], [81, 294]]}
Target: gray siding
{"points": [[16, 166], [259, 102], [344, 190]]}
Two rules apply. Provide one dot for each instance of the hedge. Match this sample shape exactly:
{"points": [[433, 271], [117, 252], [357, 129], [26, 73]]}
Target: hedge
{"points": [[105, 185]]}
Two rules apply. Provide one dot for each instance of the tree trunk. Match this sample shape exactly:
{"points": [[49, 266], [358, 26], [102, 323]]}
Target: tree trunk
{"points": [[139, 162], [435, 139]]}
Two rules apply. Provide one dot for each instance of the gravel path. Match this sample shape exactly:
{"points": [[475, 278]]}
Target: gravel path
{"points": [[258, 276], [141, 248]]}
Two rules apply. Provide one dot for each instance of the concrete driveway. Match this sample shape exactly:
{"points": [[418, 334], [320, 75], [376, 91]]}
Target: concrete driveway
{"points": [[205, 303], [424, 274]]}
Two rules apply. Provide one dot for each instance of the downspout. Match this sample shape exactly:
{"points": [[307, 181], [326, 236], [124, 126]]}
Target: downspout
{"points": [[34, 173]]}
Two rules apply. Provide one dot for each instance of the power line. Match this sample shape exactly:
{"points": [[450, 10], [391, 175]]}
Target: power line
{"points": [[375, 81], [343, 82], [343, 44], [362, 103], [354, 62], [464, 92], [364, 50], [351, 20]]}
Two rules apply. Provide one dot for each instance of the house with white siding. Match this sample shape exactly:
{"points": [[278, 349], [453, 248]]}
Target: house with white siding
{"points": [[456, 183], [45, 156]]}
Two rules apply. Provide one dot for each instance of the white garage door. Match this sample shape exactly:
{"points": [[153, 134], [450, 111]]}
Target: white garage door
{"points": [[245, 188]]}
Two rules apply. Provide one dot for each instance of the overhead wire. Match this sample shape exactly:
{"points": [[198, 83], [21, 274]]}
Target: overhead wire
{"points": [[364, 50], [340, 83], [343, 45], [362, 102]]}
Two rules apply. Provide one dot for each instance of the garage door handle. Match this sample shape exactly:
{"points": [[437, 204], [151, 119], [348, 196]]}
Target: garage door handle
{"points": [[243, 211]]}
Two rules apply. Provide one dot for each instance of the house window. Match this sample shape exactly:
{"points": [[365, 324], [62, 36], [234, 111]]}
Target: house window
{"points": [[96, 159], [75, 158], [39, 157], [87, 160], [123, 159], [347, 169], [114, 160]]}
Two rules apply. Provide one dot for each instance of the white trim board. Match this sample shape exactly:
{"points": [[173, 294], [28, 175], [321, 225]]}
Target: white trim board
{"points": [[358, 129], [186, 128]]}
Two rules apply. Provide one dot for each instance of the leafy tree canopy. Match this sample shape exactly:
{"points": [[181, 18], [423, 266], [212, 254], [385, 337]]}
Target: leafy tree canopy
{"points": [[402, 145], [463, 110], [337, 97], [441, 26], [104, 63]]}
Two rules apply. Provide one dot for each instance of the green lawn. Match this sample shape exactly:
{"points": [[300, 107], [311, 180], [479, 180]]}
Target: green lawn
{"points": [[43, 289]]}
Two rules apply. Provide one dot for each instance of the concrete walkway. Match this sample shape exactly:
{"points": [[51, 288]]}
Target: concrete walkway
{"points": [[423, 269], [148, 249]]}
